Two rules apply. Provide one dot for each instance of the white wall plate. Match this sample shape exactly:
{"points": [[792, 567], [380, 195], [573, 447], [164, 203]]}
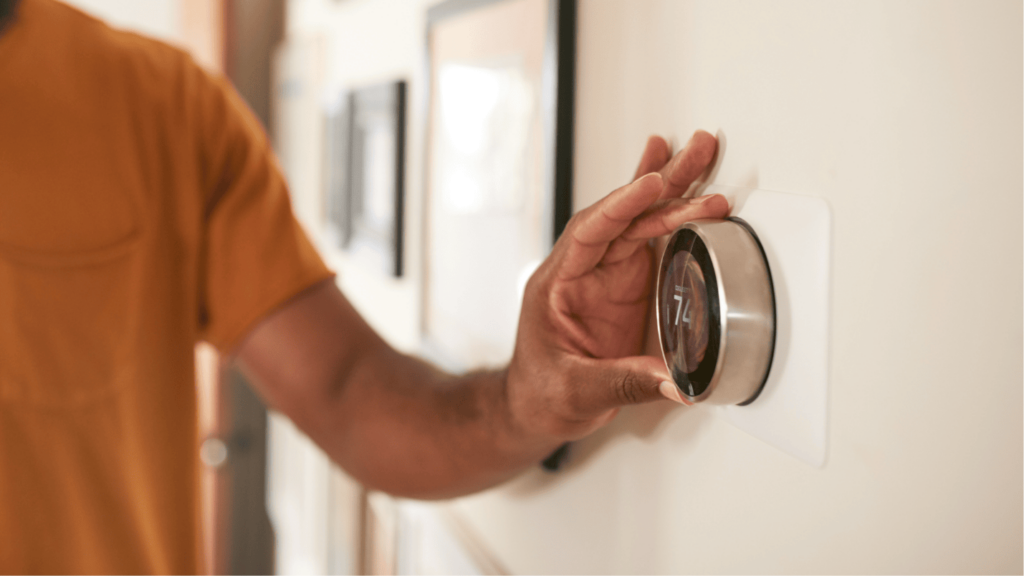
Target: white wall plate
{"points": [[796, 233]]}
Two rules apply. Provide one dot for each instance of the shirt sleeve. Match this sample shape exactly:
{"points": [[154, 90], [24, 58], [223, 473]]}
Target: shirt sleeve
{"points": [[254, 255]]}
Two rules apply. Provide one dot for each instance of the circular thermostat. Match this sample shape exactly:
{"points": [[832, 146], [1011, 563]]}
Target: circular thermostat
{"points": [[716, 312]]}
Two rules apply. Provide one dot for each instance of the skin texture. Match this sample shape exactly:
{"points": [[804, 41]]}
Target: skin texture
{"points": [[400, 425]]}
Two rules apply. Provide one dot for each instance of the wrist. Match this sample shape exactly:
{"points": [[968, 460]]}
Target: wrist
{"points": [[526, 418]]}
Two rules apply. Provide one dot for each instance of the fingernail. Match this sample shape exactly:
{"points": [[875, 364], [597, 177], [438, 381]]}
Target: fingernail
{"points": [[670, 391], [654, 175], [701, 199]]}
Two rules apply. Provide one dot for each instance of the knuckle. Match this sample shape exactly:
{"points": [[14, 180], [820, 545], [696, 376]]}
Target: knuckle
{"points": [[577, 218], [574, 400], [629, 388], [537, 280], [567, 407], [572, 229]]}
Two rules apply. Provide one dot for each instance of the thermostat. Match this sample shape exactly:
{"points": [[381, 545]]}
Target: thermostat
{"points": [[716, 312]]}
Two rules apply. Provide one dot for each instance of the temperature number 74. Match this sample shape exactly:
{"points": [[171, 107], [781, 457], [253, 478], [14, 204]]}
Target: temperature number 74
{"points": [[683, 309]]}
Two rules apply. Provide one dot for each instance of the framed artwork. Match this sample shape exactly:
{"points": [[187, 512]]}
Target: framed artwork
{"points": [[499, 167], [365, 175], [337, 227]]}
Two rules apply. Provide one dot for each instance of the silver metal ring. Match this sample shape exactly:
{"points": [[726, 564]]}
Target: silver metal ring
{"points": [[715, 309]]}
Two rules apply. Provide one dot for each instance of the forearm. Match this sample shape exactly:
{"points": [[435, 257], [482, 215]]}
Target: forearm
{"points": [[400, 425], [390, 420]]}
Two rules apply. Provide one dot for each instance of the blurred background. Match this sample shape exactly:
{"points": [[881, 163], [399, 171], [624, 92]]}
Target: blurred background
{"points": [[906, 117]]}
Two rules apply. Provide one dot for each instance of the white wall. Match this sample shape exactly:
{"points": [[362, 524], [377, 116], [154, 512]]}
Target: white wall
{"points": [[907, 117]]}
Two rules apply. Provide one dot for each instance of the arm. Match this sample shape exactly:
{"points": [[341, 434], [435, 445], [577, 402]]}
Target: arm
{"points": [[399, 425], [390, 420]]}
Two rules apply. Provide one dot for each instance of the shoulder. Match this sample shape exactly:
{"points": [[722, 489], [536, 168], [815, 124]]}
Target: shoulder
{"points": [[122, 66], [88, 38]]}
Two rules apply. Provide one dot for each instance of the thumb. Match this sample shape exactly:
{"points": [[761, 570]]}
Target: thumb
{"points": [[622, 381]]}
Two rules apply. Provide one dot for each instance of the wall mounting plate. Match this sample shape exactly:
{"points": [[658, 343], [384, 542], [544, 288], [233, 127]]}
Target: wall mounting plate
{"points": [[796, 233]]}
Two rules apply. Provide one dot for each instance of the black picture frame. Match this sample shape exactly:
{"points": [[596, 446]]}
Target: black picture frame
{"points": [[459, 346], [337, 225], [558, 97], [365, 181]]}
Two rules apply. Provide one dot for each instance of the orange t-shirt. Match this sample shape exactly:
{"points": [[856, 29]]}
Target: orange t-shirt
{"points": [[141, 210]]}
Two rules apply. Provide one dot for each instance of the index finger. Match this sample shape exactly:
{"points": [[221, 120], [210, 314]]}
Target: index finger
{"points": [[656, 155], [686, 166], [593, 229]]}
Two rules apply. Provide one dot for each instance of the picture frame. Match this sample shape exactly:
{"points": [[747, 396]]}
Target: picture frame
{"points": [[365, 176], [498, 188], [337, 227]]}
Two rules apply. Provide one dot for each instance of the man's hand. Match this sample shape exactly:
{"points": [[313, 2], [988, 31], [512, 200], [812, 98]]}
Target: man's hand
{"points": [[584, 317]]}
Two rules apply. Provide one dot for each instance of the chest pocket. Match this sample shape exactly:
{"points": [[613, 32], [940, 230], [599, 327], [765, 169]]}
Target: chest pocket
{"points": [[69, 268]]}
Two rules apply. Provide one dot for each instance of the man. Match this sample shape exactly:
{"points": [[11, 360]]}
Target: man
{"points": [[141, 210]]}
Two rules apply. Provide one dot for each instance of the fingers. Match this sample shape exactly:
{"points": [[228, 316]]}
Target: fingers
{"points": [[588, 393], [664, 217], [593, 229], [688, 164], [656, 154], [614, 383], [597, 227]]}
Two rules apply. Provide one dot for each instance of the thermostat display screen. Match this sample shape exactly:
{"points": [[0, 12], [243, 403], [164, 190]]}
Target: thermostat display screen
{"points": [[688, 314], [689, 332]]}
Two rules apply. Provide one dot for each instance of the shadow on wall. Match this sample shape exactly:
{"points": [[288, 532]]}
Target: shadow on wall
{"points": [[646, 422]]}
